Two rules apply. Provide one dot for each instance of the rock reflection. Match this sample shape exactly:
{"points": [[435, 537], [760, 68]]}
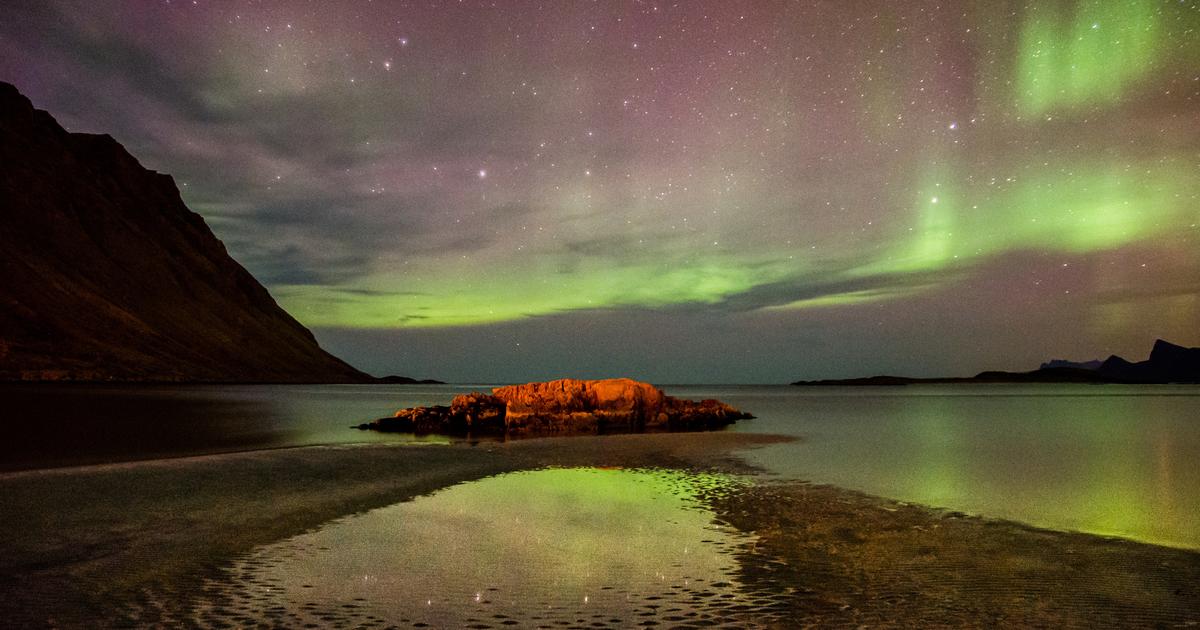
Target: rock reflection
{"points": [[561, 547]]}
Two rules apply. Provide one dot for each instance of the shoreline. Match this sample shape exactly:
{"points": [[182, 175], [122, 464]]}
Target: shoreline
{"points": [[93, 541], [765, 477]]}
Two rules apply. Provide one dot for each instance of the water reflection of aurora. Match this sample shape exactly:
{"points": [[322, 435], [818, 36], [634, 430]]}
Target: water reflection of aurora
{"points": [[1109, 460], [556, 541]]}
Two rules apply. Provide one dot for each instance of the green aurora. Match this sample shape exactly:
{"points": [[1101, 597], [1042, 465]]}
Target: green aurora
{"points": [[761, 179], [1072, 62]]}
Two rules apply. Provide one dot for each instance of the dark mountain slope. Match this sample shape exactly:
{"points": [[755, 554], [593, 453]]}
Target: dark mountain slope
{"points": [[106, 275]]}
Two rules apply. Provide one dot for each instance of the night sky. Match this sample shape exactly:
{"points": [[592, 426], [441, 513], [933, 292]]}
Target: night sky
{"points": [[680, 192]]}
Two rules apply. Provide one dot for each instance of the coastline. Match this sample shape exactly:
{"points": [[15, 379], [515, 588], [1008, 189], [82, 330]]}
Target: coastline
{"points": [[131, 542]]}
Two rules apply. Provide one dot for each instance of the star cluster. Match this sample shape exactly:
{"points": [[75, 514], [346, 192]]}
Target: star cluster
{"points": [[682, 191]]}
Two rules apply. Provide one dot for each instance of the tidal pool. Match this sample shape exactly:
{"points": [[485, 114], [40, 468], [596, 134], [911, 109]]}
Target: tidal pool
{"points": [[581, 547]]}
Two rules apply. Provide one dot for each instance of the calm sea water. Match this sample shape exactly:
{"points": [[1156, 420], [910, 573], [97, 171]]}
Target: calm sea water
{"points": [[1114, 460], [1118, 460]]}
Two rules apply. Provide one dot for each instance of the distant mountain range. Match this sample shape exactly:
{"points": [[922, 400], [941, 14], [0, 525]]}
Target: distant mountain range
{"points": [[1094, 364], [105, 274], [1168, 363]]}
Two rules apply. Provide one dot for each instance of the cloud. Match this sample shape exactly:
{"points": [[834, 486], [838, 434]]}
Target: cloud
{"points": [[690, 180]]}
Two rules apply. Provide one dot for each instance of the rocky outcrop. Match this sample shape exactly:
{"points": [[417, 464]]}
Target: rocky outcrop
{"points": [[105, 274], [565, 406]]}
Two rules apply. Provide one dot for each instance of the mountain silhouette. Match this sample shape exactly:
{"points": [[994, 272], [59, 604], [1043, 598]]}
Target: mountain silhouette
{"points": [[107, 275], [1168, 363]]}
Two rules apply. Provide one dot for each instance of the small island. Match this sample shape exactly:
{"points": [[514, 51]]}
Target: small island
{"points": [[563, 407], [406, 380]]}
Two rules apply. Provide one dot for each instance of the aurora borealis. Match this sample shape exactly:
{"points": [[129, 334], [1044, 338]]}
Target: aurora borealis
{"points": [[680, 192]]}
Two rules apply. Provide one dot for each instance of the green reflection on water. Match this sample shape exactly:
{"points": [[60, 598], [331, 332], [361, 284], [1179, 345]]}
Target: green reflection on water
{"points": [[1108, 460], [941, 453], [548, 540]]}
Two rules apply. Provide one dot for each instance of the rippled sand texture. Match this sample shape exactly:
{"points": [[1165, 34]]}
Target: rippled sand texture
{"points": [[594, 548]]}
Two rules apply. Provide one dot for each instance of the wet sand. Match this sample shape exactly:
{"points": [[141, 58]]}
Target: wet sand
{"points": [[134, 544]]}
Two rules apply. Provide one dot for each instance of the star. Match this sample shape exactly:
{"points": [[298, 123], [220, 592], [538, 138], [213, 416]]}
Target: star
{"points": [[806, 154]]}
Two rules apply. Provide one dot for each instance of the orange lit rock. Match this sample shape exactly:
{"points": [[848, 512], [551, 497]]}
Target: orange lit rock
{"points": [[572, 405], [565, 406]]}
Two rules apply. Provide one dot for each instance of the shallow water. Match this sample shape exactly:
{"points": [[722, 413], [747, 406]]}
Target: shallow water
{"points": [[62, 425], [577, 546], [1112, 460], [1106, 459]]}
